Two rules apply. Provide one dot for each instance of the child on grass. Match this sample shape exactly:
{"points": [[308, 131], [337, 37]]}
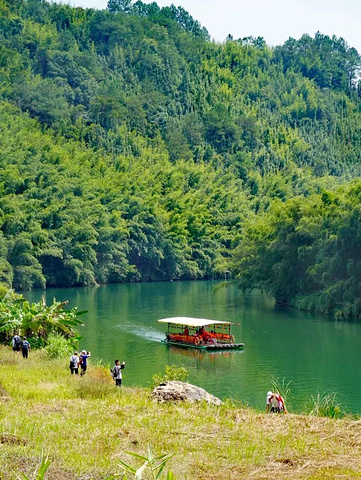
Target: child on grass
{"points": [[117, 372]]}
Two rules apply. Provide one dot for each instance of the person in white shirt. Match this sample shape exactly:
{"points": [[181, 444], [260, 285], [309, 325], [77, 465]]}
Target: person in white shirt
{"points": [[74, 364], [116, 372], [275, 403]]}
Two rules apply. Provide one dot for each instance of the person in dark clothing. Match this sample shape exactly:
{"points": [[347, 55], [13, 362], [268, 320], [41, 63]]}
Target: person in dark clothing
{"points": [[83, 361], [16, 343], [117, 373], [25, 347]]}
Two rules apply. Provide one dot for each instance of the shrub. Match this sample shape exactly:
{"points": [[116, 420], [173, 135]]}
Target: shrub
{"points": [[36, 342], [97, 383], [171, 372], [325, 405], [58, 346], [3, 290]]}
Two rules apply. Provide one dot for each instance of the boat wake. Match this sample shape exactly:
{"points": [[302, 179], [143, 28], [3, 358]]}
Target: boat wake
{"points": [[147, 333]]}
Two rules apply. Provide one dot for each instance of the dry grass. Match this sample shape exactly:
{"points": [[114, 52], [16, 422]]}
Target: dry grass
{"points": [[85, 425]]}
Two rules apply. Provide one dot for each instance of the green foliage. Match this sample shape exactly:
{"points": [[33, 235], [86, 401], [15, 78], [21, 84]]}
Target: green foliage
{"points": [[307, 252], [325, 405], [3, 290], [58, 346], [36, 342], [171, 372], [283, 388], [38, 321], [328, 61], [152, 464]]}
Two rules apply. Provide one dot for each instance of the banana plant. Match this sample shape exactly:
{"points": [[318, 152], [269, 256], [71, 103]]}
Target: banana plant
{"points": [[37, 319]]}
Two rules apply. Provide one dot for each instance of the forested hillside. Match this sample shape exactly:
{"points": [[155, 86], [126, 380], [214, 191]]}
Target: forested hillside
{"points": [[133, 148]]}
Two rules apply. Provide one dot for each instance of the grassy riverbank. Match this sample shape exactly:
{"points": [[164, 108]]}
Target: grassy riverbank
{"points": [[84, 425]]}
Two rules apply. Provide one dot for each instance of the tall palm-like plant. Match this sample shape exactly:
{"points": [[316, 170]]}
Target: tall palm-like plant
{"points": [[11, 316], [36, 319], [41, 319]]}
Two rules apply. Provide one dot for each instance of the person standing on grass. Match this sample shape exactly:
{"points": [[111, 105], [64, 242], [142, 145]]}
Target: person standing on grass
{"points": [[275, 403], [74, 363], [117, 373], [83, 361], [16, 343], [25, 347]]}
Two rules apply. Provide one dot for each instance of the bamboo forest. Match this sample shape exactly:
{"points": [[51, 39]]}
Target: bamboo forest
{"points": [[134, 148]]}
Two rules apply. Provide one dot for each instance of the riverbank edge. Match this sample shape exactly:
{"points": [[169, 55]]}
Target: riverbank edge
{"points": [[299, 302], [85, 426]]}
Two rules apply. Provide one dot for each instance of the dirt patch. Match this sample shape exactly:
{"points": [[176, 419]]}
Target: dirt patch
{"points": [[4, 396], [8, 438]]}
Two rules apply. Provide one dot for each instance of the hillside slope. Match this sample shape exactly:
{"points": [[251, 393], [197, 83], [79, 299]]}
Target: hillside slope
{"points": [[134, 148]]}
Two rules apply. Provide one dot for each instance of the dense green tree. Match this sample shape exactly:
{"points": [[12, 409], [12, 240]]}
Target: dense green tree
{"points": [[120, 6], [307, 252]]}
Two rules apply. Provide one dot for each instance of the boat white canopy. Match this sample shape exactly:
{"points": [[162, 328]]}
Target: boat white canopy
{"points": [[192, 322]]}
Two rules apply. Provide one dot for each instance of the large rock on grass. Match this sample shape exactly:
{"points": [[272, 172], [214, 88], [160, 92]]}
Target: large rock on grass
{"points": [[174, 391]]}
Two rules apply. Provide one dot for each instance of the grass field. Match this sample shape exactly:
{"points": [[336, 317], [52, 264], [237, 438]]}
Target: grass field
{"points": [[85, 426]]}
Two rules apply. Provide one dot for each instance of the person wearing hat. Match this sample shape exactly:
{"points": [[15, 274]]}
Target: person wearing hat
{"points": [[275, 403], [83, 361]]}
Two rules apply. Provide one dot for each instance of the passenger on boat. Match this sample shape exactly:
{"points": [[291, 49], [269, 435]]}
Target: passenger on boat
{"points": [[275, 403], [200, 332], [205, 335], [186, 331]]}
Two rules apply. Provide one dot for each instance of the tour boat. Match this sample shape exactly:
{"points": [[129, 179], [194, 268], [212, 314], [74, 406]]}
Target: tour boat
{"points": [[199, 333]]}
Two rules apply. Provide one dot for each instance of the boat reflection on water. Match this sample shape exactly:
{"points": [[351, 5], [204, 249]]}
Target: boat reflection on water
{"points": [[203, 358]]}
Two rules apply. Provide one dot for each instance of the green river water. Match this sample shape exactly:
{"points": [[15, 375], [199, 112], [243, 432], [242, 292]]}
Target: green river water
{"points": [[318, 354]]}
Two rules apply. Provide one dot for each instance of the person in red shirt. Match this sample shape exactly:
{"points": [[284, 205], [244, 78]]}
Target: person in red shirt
{"points": [[205, 335], [275, 403]]}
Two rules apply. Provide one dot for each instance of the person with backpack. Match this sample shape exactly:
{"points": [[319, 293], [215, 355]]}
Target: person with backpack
{"points": [[83, 361], [16, 343], [116, 372], [74, 362], [25, 347]]}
